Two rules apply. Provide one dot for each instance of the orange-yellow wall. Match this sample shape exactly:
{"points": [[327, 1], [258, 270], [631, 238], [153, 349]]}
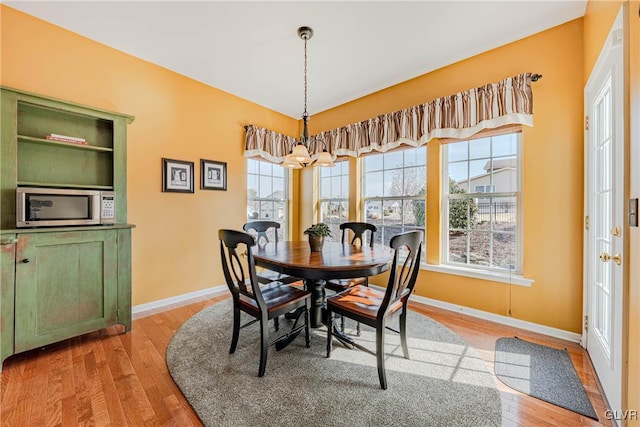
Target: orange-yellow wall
{"points": [[598, 19], [175, 244], [552, 174]]}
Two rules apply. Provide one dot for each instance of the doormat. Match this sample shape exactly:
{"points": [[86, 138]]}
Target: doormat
{"points": [[543, 372]]}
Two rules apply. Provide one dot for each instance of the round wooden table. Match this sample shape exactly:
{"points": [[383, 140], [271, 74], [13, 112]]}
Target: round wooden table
{"points": [[336, 261]]}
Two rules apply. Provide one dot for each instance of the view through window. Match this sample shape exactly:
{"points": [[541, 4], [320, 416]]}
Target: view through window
{"points": [[334, 197], [394, 191], [481, 189], [267, 194]]}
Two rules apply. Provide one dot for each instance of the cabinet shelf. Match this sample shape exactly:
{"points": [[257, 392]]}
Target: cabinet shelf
{"points": [[22, 138], [63, 185]]}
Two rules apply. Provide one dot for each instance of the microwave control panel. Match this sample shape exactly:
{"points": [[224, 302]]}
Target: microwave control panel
{"points": [[107, 207]]}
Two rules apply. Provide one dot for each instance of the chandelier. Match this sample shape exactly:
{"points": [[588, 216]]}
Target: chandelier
{"points": [[299, 155]]}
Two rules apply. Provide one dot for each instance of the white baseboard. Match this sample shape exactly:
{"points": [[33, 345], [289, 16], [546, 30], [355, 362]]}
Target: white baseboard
{"points": [[141, 308], [503, 320]]}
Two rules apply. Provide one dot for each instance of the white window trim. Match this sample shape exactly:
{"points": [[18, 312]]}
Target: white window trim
{"points": [[444, 225], [491, 275], [288, 175]]}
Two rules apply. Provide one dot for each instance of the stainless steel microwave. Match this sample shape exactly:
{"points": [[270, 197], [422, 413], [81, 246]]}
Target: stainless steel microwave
{"points": [[48, 207]]}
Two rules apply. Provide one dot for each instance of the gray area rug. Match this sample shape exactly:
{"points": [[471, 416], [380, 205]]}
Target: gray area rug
{"points": [[542, 372], [445, 383]]}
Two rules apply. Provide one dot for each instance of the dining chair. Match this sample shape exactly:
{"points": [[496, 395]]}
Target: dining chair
{"points": [[375, 308], [263, 303], [359, 230], [260, 229]]}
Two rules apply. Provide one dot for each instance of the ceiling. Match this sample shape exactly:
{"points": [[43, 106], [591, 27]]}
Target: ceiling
{"points": [[252, 50]]}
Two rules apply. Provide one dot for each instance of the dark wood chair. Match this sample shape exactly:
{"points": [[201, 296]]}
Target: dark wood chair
{"points": [[263, 303], [260, 229], [372, 307], [359, 230]]}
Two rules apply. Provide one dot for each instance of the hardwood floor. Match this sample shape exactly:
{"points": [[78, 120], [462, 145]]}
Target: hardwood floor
{"points": [[110, 378]]}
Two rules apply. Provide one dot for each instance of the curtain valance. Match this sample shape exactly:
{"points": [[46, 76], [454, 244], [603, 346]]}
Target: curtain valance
{"points": [[459, 116]]}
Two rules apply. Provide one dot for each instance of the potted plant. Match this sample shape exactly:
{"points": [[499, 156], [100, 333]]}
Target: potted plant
{"points": [[317, 233]]}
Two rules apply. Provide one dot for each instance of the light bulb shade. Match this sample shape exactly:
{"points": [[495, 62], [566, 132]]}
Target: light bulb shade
{"points": [[291, 163], [300, 154], [325, 160]]}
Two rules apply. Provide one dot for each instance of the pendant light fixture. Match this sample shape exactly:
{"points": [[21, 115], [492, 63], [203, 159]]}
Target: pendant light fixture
{"points": [[299, 155]]}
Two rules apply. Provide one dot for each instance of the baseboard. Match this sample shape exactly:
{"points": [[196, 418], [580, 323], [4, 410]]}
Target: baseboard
{"points": [[503, 320], [216, 290]]}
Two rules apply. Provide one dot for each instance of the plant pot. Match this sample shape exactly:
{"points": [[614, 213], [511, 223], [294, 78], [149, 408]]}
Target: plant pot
{"points": [[316, 242]]}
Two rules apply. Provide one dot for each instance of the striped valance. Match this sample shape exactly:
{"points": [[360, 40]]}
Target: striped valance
{"points": [[459, 116]]}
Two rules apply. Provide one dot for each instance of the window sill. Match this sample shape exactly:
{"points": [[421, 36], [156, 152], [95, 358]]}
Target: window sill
{"points": [[511, 279]]}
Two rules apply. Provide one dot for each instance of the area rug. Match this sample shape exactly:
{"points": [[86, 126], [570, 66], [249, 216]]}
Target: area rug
{"points": [[542, 372], [445, 383]]}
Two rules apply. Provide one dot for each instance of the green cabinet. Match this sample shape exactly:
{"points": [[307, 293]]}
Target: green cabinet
{"points": [[66, 284], [29, 159], [57, 283]]}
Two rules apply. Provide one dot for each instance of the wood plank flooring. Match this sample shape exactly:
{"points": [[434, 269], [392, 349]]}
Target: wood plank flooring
{"points": [[108, 378]]}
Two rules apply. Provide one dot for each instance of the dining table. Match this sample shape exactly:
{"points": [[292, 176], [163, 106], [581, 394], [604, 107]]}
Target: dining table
{"points": [[334, 261]]}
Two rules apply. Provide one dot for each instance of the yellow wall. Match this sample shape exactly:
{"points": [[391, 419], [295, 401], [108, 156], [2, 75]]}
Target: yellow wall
{"points": [[552, 174], [598, 19], [175, 243]]}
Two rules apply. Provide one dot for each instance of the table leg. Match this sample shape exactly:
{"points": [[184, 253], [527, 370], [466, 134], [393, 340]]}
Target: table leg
{"points": [[317, 301]]}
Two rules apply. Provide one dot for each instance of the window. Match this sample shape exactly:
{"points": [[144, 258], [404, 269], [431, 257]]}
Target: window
{"points": [[267, 194], [481, 189], [394, 191], [334, 197]]}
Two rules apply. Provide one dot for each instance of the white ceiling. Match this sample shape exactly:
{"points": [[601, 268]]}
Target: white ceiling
{"points": [[252, 50]]}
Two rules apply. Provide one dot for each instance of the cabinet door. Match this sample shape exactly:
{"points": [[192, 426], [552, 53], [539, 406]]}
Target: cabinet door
{"points": [[7, 272], [66, 285]]}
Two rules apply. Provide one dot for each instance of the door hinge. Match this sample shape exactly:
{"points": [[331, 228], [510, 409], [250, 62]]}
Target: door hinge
{"points": [[117, 314], [586, 323], [586, 122], [586, 222]]}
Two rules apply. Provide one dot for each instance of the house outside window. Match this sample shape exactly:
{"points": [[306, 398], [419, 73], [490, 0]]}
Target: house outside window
{"points": [[267, 195], [394, 191], [334, 197], [481, 190]]}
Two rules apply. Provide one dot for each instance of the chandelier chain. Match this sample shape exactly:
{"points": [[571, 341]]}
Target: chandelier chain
{"points": [[305, 77]]}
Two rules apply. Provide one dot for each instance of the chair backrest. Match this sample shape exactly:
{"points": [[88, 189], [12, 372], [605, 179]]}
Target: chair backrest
{"points": [[402, 277], [261, 228], [240, 276], [359, 229]]}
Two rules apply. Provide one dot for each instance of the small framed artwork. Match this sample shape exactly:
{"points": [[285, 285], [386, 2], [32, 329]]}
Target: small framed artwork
{"points": [[177, 176], [213, 175]]}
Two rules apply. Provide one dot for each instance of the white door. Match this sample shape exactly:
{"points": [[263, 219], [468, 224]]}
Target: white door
{"points": [[604, 210]]}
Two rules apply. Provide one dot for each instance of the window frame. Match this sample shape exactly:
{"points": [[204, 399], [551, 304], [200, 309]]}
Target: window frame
{"points": [[285, 222], [517, 194], [382, 199], [334, 224]]}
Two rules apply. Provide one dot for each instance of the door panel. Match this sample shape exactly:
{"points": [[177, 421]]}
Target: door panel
{"points": [[604, 105], [66, 285]]}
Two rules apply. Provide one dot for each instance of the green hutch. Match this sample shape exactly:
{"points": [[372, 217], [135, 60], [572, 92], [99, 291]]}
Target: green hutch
{"points": [[61, 282]]}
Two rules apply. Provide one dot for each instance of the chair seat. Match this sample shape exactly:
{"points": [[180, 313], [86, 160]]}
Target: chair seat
{"points": [[361, 301], [339, 285], [278, 298]]}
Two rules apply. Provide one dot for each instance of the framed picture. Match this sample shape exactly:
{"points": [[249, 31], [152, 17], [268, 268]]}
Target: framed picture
{"points": [[177, 176], [213, 175]]}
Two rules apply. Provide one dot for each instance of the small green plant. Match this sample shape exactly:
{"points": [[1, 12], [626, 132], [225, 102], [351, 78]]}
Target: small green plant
{"points": [[321, 229]]}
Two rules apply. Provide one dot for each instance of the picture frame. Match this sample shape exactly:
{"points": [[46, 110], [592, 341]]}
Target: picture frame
{"points": [[177, 176], [213, 175]]}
